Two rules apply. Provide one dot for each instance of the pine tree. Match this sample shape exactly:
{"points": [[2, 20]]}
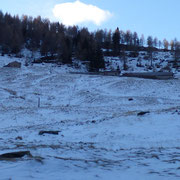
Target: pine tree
{"points": [[116, 42], [108, 42], [150, 49], [65, 50], [97, 61], [177, 51]]}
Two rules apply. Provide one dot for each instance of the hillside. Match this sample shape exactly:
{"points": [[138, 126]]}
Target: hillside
{"points": [[101, 135]]}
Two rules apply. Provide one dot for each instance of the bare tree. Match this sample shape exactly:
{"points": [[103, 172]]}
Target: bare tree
{"points": [[142, 40], [165, 44], [155, 42], [172, 45]]}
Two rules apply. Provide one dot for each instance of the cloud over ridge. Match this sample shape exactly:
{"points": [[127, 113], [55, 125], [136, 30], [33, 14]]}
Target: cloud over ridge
{"points": [[74, 13]]}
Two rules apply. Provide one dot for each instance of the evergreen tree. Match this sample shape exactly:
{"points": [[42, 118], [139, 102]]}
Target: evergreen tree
{"points": [[97, 62], [116, 42], [150, 49], [108, 42], [176, 51], [64, 50]]}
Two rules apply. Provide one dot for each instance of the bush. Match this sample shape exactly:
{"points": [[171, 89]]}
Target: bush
{"points": [[134, 54]]}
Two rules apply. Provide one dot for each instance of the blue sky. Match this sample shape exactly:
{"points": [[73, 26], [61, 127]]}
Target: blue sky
{"points": [[159, 18]]}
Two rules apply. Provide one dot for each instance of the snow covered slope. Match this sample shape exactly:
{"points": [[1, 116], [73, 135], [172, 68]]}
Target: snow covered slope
{"points": [[101, 136]]}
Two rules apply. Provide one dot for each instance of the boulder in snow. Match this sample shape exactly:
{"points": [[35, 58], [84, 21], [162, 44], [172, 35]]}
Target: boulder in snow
{"points": [[143, 113], [18, 154], [49, 132], [14, 64]]}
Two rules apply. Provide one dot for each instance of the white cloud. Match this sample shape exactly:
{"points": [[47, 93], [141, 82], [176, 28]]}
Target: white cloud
{"points": [[78, 12]]}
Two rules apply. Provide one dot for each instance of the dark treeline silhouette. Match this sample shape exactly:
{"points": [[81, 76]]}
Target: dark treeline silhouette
{"points": [[55, 41]]}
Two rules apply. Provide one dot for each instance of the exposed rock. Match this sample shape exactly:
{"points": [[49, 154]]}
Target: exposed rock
{"points": [[38, 159], [18, 154], [14, 64], [165, 69], [49, 132], [19, 138], [130, 99], [14, 93], [155, 156], [142, 113]]}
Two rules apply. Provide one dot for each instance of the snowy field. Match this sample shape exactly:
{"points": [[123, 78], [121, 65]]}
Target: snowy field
{"points": [[101, 136]]}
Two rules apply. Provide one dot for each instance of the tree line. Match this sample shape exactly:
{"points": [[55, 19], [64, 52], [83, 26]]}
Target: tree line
{"points": [[57, 41]]}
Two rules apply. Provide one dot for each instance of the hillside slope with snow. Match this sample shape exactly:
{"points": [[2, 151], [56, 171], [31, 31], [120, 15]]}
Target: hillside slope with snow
{"points": [[101, 135]]}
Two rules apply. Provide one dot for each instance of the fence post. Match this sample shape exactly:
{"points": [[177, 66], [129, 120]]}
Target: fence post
{"points": [[39, 102]]}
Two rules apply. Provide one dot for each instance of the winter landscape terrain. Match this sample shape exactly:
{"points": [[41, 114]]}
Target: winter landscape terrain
{"points": [[100, 135]]}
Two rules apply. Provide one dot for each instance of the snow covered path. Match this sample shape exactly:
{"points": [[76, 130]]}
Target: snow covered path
{"points": [[101, 136]]}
